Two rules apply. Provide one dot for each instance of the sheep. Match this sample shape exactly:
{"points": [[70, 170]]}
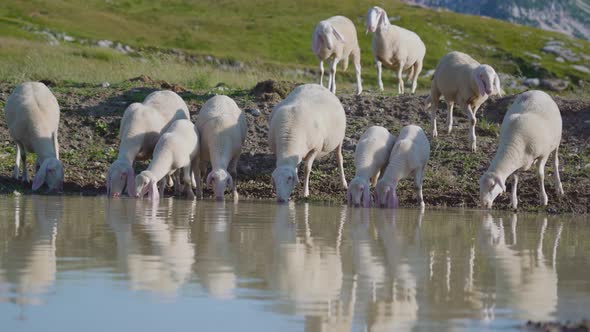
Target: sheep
{"points": [[308, 124], [177, 148], [32, 116], [222, 127], [409, 155], [462, 80], [140, 129], [370, 158], [395, 48], [531, 131], [336, 39]]}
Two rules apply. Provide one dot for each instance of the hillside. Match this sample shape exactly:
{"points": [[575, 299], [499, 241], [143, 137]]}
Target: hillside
{"points": [[571, 17], [201, 43]]}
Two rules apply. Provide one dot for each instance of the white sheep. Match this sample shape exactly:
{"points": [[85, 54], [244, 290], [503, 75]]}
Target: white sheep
{"points": [[308, 124], [177, 148], [222, 128], [395, 47], [370, 158], [531, 131], [141, 127], [32, 116], [336, 39], [462, 80], [409, 155]]}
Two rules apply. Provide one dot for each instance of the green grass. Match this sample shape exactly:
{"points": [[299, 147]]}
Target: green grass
{"points": [[267, 35]]}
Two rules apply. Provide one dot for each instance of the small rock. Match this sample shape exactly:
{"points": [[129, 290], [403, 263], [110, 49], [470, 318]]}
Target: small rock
{"points": [[583, 69], [104, 43], [69, 38], [533, 55], [554, 84], [429, 73], [105, 84], [560, 59], [532, 82], [253, 111]]}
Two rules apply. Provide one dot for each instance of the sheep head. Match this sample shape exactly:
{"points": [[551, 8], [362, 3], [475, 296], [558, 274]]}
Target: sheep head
{"points": [[323, 36], [358, 193], [119, 177], [488, 82], [490, 186], [146, 183], [376, 16], [385, 195], [219, 179], [50, 172], [284, 179]]}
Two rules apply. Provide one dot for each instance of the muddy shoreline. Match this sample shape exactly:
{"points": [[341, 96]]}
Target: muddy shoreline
{"points": [[90, 118]]}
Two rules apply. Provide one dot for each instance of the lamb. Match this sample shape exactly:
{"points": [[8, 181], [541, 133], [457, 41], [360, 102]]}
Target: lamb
{"points": [[462, 80], [336, 39], [222, 127], [308, 124], [370, 158], [141, 127], [177, 148], [32, 116], [530, 131], [395, 48], [409, 155]]}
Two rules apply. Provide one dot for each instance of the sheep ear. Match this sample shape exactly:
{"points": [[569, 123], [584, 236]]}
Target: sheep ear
{"points": [[500, 183], [40, 176], [338, 35], [366, 196], [477, 73], [316, 40], [497, 84], [131, 181], [383, 19]]}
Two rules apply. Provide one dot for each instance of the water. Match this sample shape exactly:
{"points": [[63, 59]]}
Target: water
{"points": [[93, 264]]}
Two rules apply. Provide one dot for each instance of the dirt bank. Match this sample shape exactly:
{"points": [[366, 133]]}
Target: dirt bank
{"points": [[91, 115]]}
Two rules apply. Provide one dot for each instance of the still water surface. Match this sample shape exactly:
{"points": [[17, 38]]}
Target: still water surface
{"points": [[93, 264]]}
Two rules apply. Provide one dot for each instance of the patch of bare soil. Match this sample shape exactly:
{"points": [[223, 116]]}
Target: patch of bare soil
{"points": [[91, 116]]}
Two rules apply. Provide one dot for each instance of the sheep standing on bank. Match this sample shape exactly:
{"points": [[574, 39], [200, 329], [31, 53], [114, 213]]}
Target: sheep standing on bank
{"points": [[32, 116], [531, 131], [177, 148], [336, 39], [370, 158], [395, 47], [140, 130], [308, 124], [462, 80], [222, 127], [408, 156]]}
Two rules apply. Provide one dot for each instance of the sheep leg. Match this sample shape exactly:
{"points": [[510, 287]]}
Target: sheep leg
{"points": [[187, 176], [202, 166], [55, 144], [558, 186], [23, 158], [321, 72], [15, 170], [400, 80], [434, 107], [233, 171], [418, 182], [379, 81], [333, 66], [196, 167], [308, 163], [340, 159], [417, 69], [514, 185], [162, 186], [472, 121], [375, 178], [541, 171], [450, 106], [356, 58]]}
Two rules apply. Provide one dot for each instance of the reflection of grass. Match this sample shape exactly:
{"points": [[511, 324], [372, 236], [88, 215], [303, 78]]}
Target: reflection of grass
{"points": [[267, 35]]}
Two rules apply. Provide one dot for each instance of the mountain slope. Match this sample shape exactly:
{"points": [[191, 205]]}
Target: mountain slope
{"points": [[571, 17]]}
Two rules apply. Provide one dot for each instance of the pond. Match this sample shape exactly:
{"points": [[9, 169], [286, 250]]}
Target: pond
{"points": [[98, 264]]}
